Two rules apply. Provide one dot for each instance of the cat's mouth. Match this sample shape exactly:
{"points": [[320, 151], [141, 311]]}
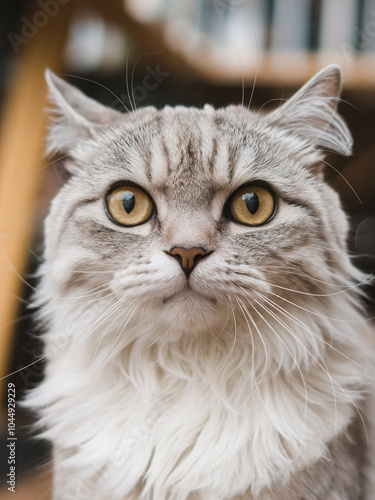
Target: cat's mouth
{"points": [[189, 295]]}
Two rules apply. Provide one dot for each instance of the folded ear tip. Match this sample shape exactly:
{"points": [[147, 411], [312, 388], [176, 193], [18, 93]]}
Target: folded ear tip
{"points": [[333, 71], [334, 67], [49, 74], [53, 81]]}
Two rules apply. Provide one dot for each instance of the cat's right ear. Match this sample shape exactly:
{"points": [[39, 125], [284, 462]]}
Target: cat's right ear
{"points": [[74, 116], [311, 114]]}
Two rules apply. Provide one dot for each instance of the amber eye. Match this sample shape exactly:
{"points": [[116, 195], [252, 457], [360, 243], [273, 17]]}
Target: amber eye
{"points": [[129, 205], [252, 205]]}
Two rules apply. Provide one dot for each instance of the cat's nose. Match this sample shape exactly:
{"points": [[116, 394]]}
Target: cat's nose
{"points": [[188, 257]]}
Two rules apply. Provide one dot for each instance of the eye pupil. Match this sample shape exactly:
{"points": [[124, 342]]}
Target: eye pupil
{"points": [[128, 201], [252, 205], [252, 202]]}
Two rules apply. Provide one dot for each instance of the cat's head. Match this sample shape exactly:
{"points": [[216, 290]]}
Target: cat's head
{"points": [[198, 215]]}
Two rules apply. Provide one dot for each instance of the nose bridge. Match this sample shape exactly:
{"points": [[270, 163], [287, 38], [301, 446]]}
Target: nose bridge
{"points": [[189, 231], [189, 238]]}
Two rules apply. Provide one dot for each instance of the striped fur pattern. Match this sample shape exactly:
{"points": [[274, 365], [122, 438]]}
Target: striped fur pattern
{"points": [[249, 380]]}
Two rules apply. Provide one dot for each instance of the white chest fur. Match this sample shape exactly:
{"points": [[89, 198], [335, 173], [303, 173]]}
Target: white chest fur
{"points": [[188, 417]]}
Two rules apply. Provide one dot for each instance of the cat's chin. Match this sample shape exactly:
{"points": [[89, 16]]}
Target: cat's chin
{"points": [[190, 311]]}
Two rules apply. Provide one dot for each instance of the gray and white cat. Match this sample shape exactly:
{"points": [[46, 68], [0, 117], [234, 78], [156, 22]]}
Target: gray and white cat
{"points": [[204, 329]]}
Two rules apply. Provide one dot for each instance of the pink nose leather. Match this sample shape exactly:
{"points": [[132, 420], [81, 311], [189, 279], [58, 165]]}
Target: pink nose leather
{"points": [[187, 257]]}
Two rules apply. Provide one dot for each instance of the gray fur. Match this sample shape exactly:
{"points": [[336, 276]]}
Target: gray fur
{"points": [[266, 339]]}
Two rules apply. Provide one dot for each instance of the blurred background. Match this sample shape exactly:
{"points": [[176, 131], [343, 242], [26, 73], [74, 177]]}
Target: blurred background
{"points": [[132, 53]]}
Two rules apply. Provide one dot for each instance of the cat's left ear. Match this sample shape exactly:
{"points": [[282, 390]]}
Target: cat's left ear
{"points": [[311, 114], [74, 116]]}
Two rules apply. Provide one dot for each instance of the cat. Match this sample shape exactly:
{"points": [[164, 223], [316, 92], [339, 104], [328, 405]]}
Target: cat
{"points": [[204, 326]]}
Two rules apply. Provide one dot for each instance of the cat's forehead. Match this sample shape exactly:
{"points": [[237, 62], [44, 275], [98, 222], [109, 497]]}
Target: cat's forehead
{"points": [[179, 147], [194, 147], [185, 129]]}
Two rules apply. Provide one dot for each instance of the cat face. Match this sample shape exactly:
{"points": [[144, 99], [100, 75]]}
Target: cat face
{"points": [[198, 214]]}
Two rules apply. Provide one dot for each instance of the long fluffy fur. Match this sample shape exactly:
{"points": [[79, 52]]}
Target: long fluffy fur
{"points": [[252, 385]]}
